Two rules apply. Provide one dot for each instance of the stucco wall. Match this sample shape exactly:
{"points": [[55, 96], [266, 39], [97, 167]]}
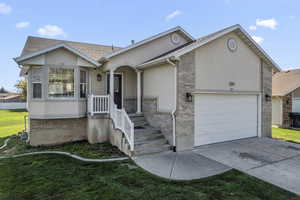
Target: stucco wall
{"points": [[216, 66], [46, 108], [277, 111], [158, 82], [144, 52]]}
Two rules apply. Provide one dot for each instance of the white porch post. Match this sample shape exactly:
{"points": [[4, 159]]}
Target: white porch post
{"points": [[139, 92], [111, 85]]}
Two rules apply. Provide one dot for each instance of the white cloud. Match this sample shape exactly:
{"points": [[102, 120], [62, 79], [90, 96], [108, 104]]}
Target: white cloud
{"points": [[252, 28], [4, 9], [22, 24], [51, 31], [268, 23], [173, 14], [257, 39]]}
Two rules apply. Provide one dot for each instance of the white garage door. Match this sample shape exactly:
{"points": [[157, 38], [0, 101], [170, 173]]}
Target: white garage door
{"points": [[220, 118]]}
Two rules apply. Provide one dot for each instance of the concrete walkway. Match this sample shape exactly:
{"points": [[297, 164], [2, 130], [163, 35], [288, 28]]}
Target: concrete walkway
{"points": [[180, 165], [274, 161]]}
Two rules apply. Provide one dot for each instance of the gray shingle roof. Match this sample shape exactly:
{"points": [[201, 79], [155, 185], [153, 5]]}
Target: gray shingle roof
{"points": [[94, 51]]}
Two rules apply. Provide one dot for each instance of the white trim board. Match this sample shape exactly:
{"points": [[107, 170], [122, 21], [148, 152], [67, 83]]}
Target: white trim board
{"points": [[54, 47], [178, 28]]}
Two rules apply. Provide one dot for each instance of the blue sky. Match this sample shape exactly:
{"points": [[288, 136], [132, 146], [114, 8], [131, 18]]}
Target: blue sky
{"points": [[275, 24]]}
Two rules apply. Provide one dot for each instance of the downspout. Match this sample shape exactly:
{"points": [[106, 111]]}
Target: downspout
{"points": [[175, 104]]}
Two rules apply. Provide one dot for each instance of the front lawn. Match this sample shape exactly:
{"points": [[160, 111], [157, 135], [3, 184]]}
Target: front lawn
{"points": [[286, 134], [52, 177], [81, 148], [11, 122]]}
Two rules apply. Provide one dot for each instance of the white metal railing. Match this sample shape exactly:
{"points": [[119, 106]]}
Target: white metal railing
{"points": [[98, 104], [123, 122]]}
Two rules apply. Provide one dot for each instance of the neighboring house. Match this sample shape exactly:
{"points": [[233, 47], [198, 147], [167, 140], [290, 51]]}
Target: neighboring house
{"points": [[285, 97], [169, 90], [10, 100]]}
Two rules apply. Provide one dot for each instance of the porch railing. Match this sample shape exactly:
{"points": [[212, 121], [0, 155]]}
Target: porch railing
{"points": [[123, 122], [98, 104], [102, 104]]}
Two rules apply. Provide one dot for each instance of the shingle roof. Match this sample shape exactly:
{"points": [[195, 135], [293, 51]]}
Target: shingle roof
{"points": [[94, 51], [285, 82]]}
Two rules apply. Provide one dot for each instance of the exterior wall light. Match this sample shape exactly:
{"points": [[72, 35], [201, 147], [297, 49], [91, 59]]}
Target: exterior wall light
{"points": [[188, 97], [268, 97]]}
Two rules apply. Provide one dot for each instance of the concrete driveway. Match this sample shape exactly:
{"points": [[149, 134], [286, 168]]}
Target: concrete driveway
{"points": [[274, 161]]}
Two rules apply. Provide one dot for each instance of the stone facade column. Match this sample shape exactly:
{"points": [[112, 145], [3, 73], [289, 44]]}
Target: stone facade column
{"points": [[266, 102], [185, 110], [286, 110]]}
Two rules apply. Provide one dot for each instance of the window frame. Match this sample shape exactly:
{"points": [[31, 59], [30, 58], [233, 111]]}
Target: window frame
{"points": [[32, 90], [86, 83], [74, 82]]}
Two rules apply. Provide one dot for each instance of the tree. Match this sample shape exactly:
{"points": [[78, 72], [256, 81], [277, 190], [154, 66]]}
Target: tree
{"points": [[2, 90], [22, 88]]}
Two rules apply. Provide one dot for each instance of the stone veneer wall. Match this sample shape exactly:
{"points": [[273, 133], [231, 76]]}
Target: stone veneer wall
{"points": [[158, 119], [286, 110], [185, 110], [130, 105], [57, 131], [266, 119]]}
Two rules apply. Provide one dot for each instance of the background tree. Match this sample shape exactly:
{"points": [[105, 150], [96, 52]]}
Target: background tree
{"points": [[2, 90], [22, 88]]}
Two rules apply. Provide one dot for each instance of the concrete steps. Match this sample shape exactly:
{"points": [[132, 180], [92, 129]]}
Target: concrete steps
{"points": [[147, 139]]}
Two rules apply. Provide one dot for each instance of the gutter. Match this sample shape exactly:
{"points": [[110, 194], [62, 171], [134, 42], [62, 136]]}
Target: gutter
{"points": [[175, 103]]}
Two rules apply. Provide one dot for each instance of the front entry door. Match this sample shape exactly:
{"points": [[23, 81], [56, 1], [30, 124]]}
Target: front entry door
{"points": [[117, 88]]}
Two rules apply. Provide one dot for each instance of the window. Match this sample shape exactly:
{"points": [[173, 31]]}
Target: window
{"points": [[83, 84], [61, 82], [36, 90]]}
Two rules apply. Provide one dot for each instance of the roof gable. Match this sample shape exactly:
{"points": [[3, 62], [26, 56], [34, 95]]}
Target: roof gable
{"points": [[214, 36], [285, 82], [135, 45], [54, 47]]}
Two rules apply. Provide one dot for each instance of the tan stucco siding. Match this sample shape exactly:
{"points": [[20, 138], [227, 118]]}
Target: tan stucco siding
{"points": [[97, 87], [159, 83], [144, 52], [55, 107], [216, 66], [296, 93], [277, 111]]}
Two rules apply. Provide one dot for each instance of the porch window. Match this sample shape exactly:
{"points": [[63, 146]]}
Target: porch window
{"points": [[83, 84], [61, 82], [36, 90]]}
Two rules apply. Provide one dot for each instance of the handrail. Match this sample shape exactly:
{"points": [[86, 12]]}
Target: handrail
{"points": [[123, 122]]}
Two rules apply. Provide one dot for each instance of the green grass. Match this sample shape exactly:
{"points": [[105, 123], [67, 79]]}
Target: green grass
{"points": [[286, 134], [52, 177], [81, 148], [11, 122]]}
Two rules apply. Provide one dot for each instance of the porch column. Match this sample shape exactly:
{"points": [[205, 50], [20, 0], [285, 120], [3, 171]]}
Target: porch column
{"points": [[111, 85], [139, 92]]}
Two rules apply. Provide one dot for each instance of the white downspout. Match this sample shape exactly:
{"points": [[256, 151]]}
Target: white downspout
{"points": [[175, 104]]}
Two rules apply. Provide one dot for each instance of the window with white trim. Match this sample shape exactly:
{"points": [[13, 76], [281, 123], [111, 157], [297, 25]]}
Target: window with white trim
{"points": [[83, 84], [36, 90], [61, 83]]}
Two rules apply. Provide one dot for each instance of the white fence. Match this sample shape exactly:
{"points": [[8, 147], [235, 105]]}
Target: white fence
{"points": [[12, 105]]}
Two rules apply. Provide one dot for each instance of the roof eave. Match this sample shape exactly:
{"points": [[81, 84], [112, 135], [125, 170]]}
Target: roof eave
{"points": [[19, 59], [178, 28]]}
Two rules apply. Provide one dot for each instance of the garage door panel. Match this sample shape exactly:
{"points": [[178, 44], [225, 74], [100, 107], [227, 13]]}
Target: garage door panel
{"points": [[221, 118]]}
